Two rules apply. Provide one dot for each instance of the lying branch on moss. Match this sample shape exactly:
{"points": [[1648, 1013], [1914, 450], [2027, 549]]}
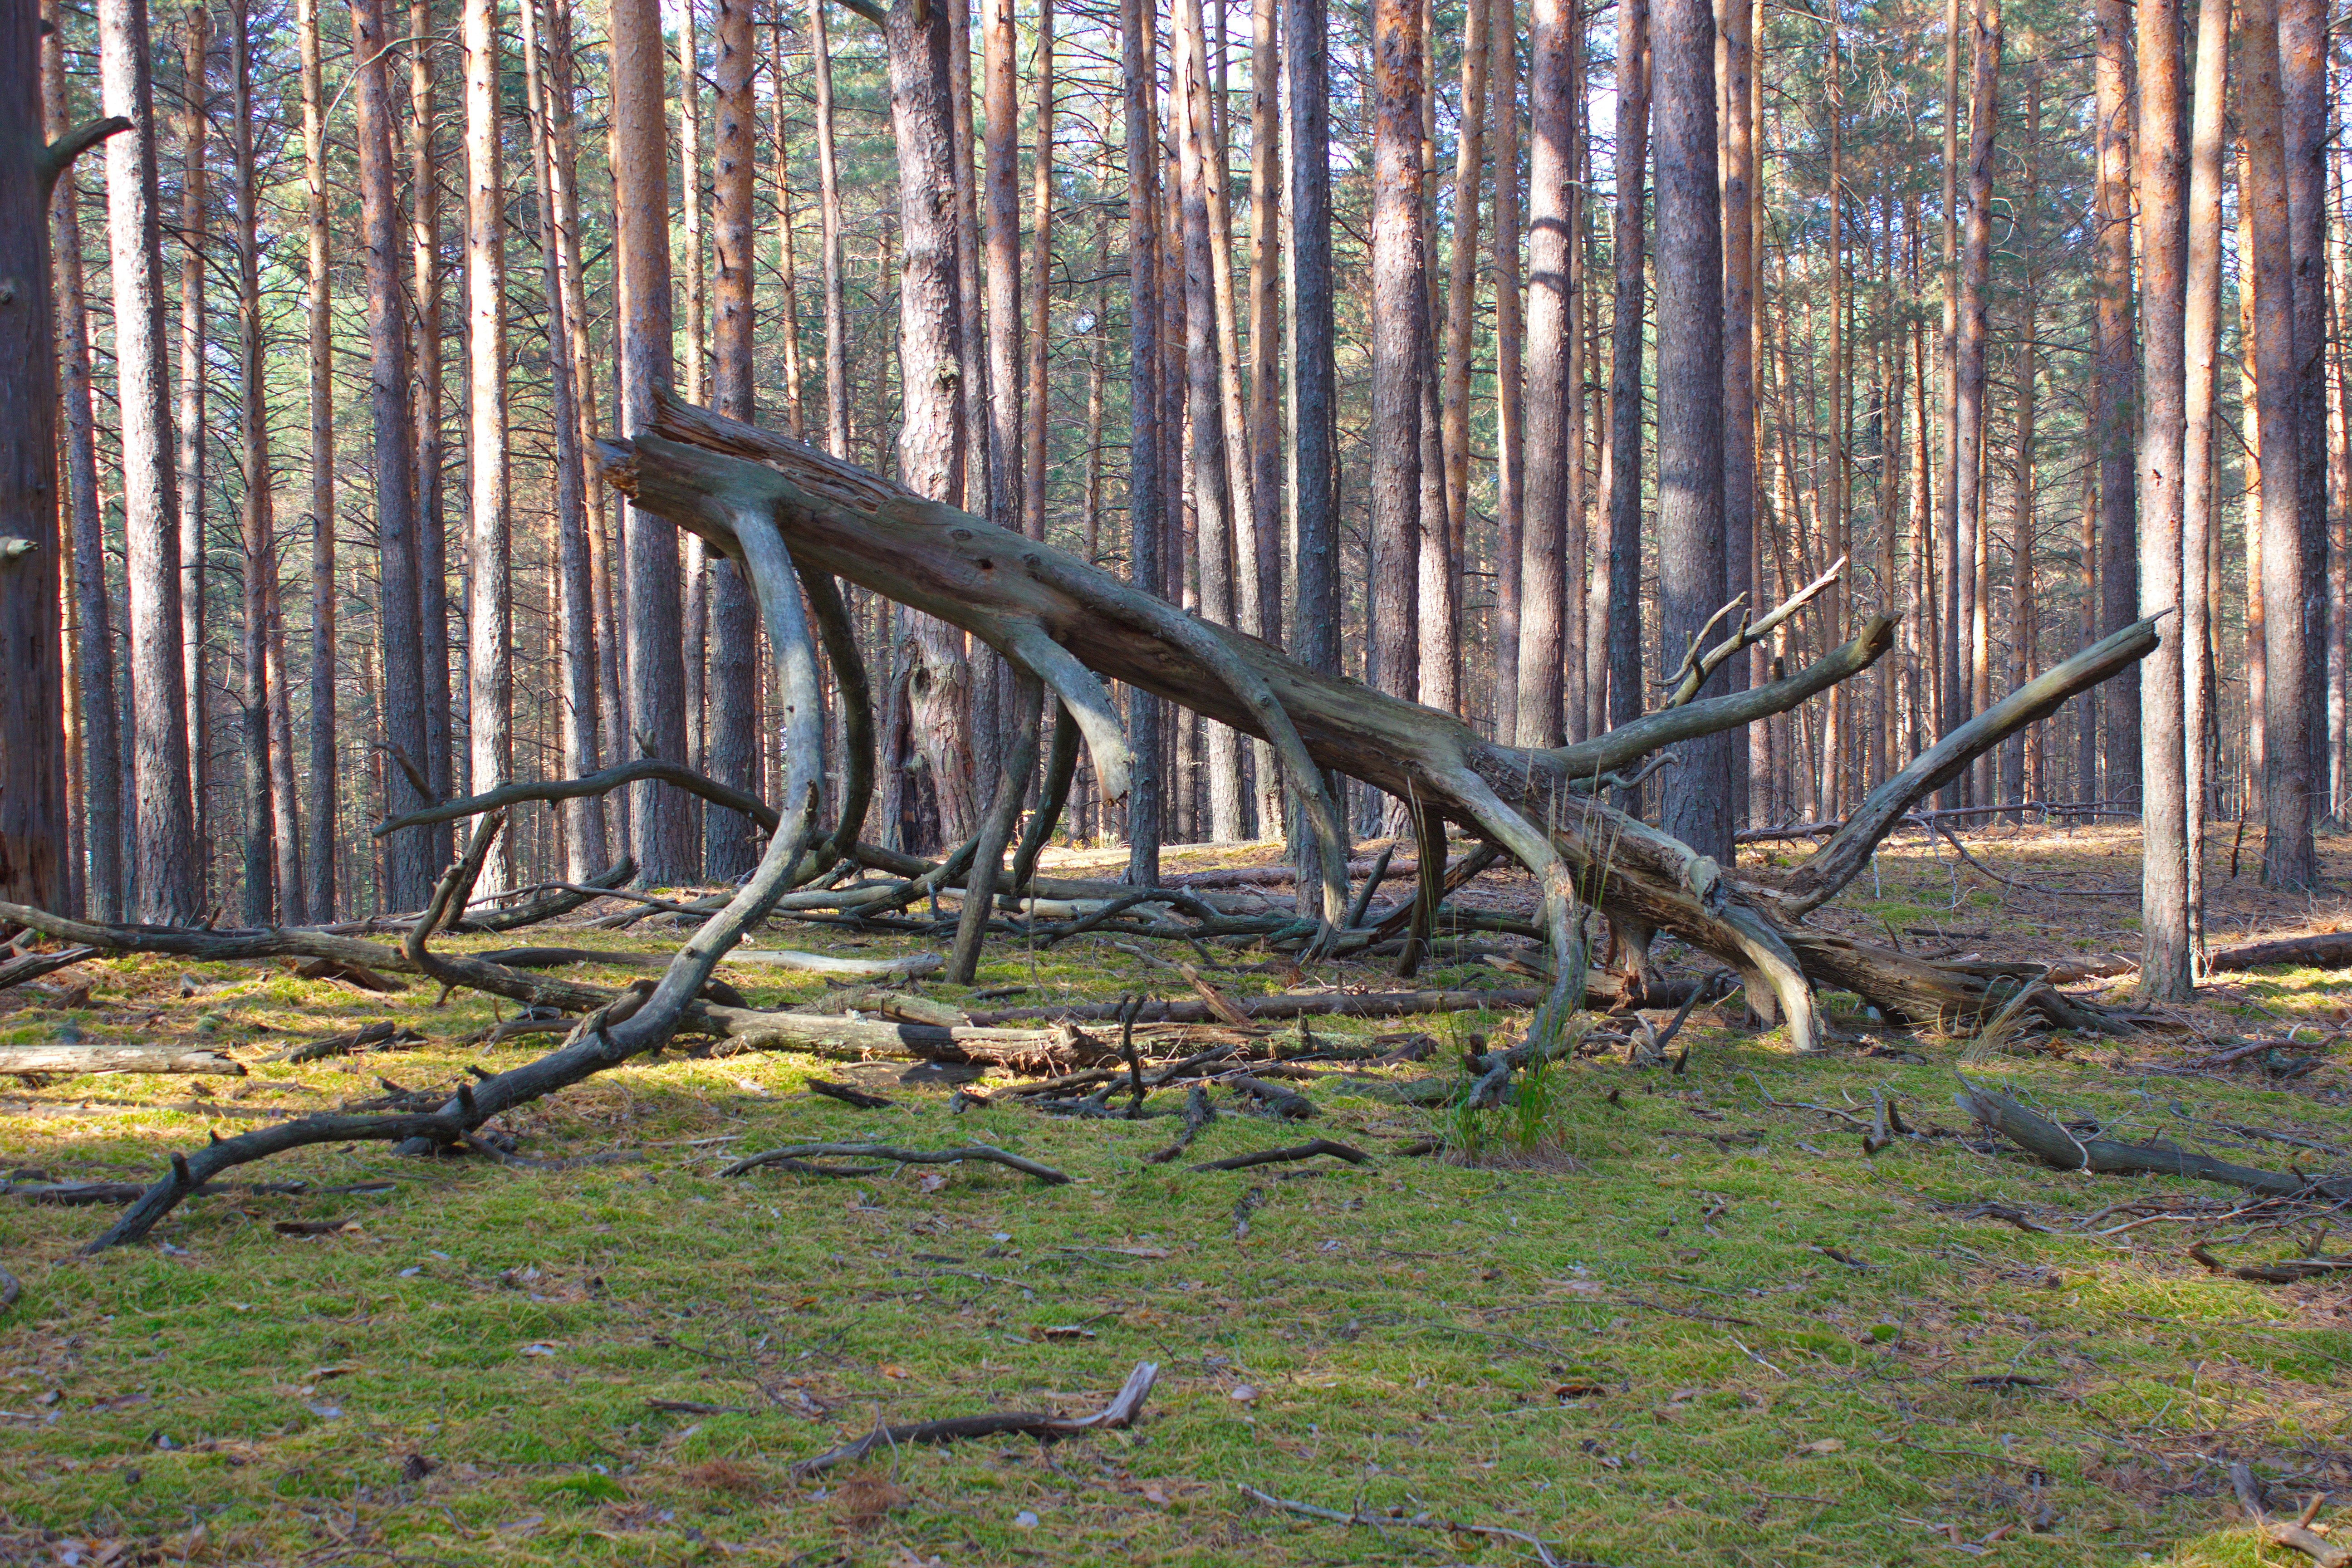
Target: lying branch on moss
{"points": [[1046, 1174], [1121, 1411]]}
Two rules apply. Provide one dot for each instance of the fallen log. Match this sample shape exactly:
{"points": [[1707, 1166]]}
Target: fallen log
{"points": [[1603, 993], [1306, 1151], [73, 1061], [2328, 950], [32, 966], [2054, 1145], [985, 1153]]}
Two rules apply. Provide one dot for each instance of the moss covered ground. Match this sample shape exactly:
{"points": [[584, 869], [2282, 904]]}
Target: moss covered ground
{"points": [[1651, 1317]]}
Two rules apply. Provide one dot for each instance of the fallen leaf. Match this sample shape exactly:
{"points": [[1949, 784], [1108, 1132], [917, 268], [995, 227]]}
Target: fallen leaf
{"points": [[1822, 1445], [1154, 1494], [1579, 1388], [891, 1370], [931, 1180]]}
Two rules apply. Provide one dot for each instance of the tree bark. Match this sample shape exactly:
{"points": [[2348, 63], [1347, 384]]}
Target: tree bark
{"points": [[489, 569], [1969, 609], [1314, 434], [1462, 292], [2115, 364], [662, 822], [787, 234], [1541, 716], [1698, 809], [193, 240], [1145, 482], [100, 801], [430, 539], [583, 821], [1737, 54], [2288, 858], [1625, 454], [2200, 355], [1400, 335], [2303, 104], [731, 736], [836, 319], [2023, 496], [930, 335], [254, 529], [694, 582], [320, 797], [1034, 509], [1002, 154], [1510, 441], [2165, 964], [1266, 432], [401, 693], [166, 873]]}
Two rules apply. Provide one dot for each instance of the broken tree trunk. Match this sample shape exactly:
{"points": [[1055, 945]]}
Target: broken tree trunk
{"points": [[1073, 626]]}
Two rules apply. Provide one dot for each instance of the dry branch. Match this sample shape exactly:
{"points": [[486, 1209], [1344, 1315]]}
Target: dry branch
{"points": [[1279, 1156], [1121, 1411], [74, 1060], [1046, 1174], [2054, 1145]]}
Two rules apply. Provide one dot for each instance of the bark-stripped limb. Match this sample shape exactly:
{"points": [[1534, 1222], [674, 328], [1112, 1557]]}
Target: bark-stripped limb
{"points": [[982, 1152], [178, 941], [638, 1022], [2052, 1144], [602, 782], [1696, 667]]}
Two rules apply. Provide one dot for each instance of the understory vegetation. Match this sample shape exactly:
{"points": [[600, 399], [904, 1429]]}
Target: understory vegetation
{"points": [[1666, 1312]]}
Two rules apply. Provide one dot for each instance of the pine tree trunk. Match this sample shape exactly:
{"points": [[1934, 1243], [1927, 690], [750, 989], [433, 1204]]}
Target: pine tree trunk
{"points": [[1951, 679], [1540, 719], [2303, 93], [694, 583], [431, 532], [322, 797], [259, 564], [489, 668], [1461, 286], [1969, 609], [1001, 156], [195, 90], [1400, 333], [662, 824], [1510, 441], [2115, 364], [931, 337], [2165, 965], [99, 802], [787, 237], [1697, 808], [2021, 485], [836, 320], [1041, 265], [166, 875], [1314, 433], [1737, 54], [1146, 481], [2288, 859], [1625, 454], [401, 691]]}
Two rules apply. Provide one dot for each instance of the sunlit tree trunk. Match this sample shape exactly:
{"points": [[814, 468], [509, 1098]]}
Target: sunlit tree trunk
{"points": [[2288, 859], [490, 667], [2116, 365], [1697, 808], [1041, 276], [253, 516], [693, 385], [430, 539], [1737, 54], [1625, 457], [2022, 486], [1969, 609], [1400, 335], [2201, 356], [733, 748], [836, 319], [1510, 464], [1462, 288], [166, 873], [583, 819], [1544, 566], [320, 798], [787, 242], [1145, 482], [196, 92]]}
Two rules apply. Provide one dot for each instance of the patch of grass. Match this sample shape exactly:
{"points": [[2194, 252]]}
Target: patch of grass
{"points": [[1703, 1329]]}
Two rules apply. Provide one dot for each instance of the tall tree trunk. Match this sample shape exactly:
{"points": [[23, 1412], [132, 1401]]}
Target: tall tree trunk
{"points": [[583, 819], [100, 802], [1624, 455], [1265, 442], [1146, 481], [2116, 363], [254, 518], [2303, 106], [431, 535], [1950, 681], [2249, 526], [787, 232], [1698, 809], [1541, 718], [1737, 54], [196, 92], [167, 873], [35, 864], [400, 631], [1002, 155], [729, 848], [2022, 497], [1314, 431], [1510, 448], [662, 824], [1400, 337], [1976, 272], [694, 583], [2165, 965], [321, 797], [1212, 492], [490, 666], [931, 337], [1462, 289], [2288, 859], [1041, 265], [836, 318], [2201, 354]]}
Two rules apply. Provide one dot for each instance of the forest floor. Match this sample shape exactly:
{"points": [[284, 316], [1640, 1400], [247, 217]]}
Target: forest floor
{"points": [[1641, 1316]]}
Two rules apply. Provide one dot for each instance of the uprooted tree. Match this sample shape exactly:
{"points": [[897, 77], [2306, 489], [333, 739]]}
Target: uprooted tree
{"points": [[797, 519]]}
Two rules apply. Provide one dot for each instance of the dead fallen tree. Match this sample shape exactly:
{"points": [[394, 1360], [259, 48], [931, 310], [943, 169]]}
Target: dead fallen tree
{"points": [[2056, 1146], [1072, 626], [73, 1060], [1121, 1411]]}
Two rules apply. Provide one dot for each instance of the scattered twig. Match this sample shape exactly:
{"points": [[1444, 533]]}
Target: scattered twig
{"points": [[1198, 1114], [1281, 1101], [1419, 1522], [1121, 1411], [2287, 1271], [848, 1096], [1306, 1151], [1045, 1174]]}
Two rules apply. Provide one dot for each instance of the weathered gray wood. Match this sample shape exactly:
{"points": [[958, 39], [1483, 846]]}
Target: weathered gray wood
{"points": [[74, 1060]]}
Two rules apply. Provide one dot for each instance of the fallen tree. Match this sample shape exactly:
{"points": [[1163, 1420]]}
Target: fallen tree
{"points": [[1071, 626]]}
